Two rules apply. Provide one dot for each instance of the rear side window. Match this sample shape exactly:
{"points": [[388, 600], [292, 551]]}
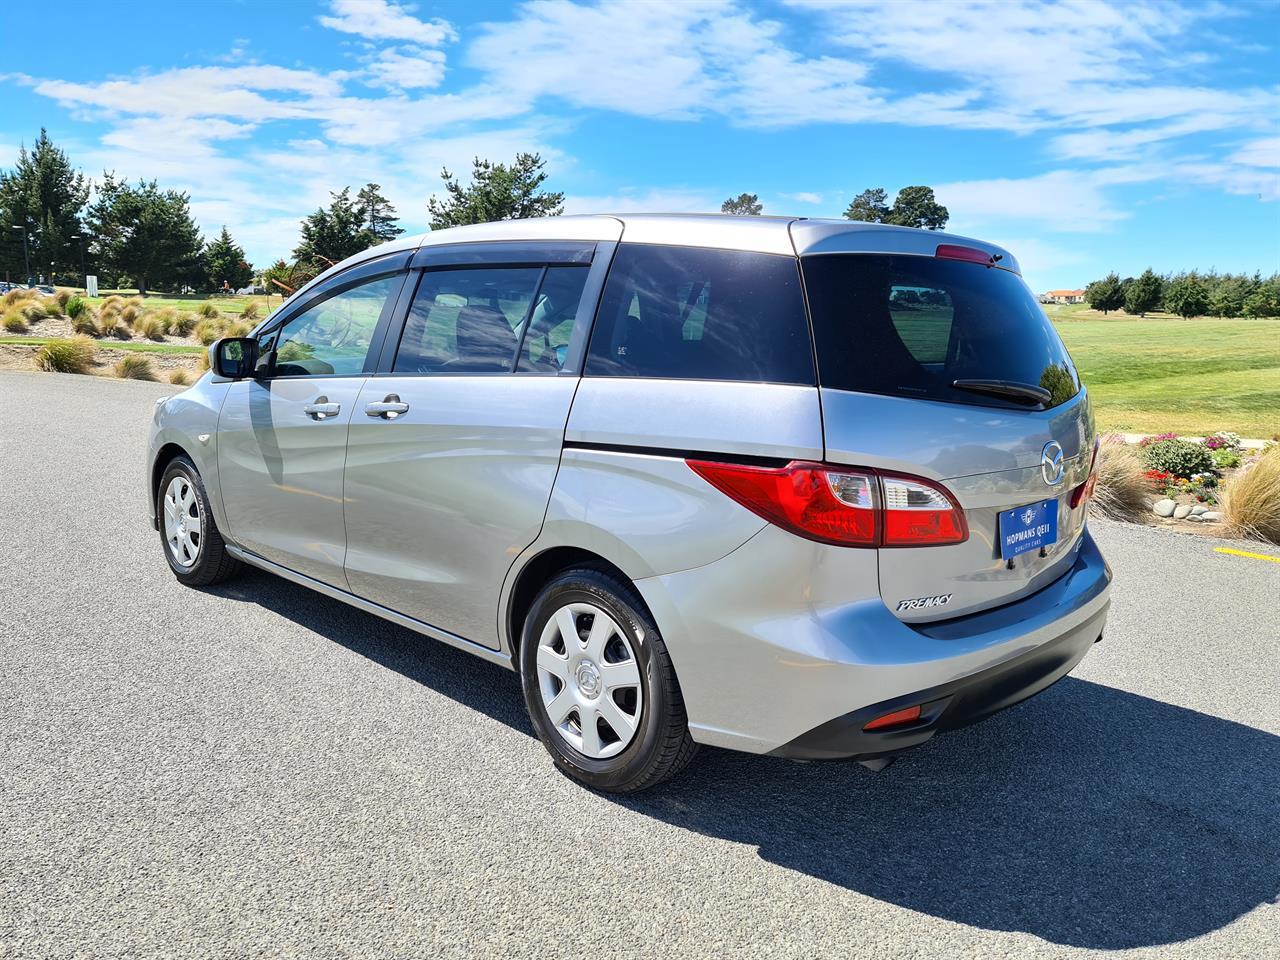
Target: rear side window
{"points": [[697, 314], [485, 320], [912, 326]]}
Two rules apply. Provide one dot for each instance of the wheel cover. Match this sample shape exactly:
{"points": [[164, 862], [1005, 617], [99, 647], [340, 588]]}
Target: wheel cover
{"points": [[589, 680], [183, 521]]}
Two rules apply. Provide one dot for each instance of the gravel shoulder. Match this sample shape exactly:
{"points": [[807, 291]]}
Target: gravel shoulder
{"points": [[260, 770]]}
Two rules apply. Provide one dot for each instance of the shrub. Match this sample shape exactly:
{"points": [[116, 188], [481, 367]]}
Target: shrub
{"points": [[1182, 458], [208, 331], [51, 307], [180, 324], [165, 315], [33, 311], [15, 322], [84, 324], [237, 328], [1225, 459], [179, 376], [75, 306], [67, 355], [112, 302], [203, 363], [130, 314], [207, 310], [63, 296], [13, 296], [1251, 501], [136, 302], [135, 367], [110, 325], [1222, 441], [250, 311], [149, 326], [1123, 488]]}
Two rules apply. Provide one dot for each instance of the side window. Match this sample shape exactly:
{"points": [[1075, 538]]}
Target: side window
{"points": [[473, 320], [330, 337], [546, 343], [922, 317], [698, 314], [466, 320]]}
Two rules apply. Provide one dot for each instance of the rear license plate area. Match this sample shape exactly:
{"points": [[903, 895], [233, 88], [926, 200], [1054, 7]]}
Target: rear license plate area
{"points": [[1029, 527]]}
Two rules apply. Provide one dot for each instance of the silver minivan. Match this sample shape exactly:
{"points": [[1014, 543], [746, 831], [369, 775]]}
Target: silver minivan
{"points": [[813, 489]]}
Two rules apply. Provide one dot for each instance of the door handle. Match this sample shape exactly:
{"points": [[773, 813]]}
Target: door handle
{"points": [[388, 408], [322, 409]]}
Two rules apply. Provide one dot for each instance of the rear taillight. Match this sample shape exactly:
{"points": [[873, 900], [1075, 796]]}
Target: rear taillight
{"points": [[1082, 493], [918, 513], [852, 508]]}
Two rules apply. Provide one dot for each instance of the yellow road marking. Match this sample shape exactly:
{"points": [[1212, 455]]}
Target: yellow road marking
{"points": [[1244, 553]]}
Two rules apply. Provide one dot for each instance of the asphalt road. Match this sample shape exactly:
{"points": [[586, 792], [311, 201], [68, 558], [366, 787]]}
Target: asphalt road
{"points": [[258, 770]]}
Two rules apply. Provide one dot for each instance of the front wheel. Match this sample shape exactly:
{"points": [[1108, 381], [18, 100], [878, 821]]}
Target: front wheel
{"points": [[599, 685], [193, 546]]}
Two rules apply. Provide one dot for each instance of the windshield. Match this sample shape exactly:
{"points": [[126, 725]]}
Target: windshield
{"points": [[912, 326]]}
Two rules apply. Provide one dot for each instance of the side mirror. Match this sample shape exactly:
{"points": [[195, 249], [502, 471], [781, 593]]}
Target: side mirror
{"points": [[234, 357]]}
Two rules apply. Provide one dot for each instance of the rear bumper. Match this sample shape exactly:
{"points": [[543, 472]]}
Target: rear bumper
{"points": [[947, 706], [785, 647]]}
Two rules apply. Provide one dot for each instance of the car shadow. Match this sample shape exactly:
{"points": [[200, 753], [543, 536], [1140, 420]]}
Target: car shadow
{"points": [[1088, 816]]}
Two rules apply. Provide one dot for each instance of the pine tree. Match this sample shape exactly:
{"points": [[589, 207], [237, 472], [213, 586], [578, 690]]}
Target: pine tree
{"points": [[46, 196], [496, 192], [226, 265], [1143, 294], [377, 215], [331, 235], [146, 234], [1105, 294], [744, 204]]}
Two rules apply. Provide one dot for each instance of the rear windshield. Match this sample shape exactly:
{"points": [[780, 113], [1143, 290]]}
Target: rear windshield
{"points": [[696, 314], [911, 326]]}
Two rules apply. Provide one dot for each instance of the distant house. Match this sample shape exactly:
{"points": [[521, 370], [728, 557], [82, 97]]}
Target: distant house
{"points": [[1062, 296]]}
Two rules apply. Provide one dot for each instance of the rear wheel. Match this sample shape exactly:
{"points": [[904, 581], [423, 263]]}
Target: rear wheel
{"points": [[193, 546], [599, 685]]}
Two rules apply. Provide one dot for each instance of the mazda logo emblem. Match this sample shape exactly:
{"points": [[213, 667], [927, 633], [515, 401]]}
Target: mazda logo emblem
{"points": [[1051, 466]]}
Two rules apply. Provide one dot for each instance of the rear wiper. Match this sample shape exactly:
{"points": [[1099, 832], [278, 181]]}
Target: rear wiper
{"points": [[1009, 389]]}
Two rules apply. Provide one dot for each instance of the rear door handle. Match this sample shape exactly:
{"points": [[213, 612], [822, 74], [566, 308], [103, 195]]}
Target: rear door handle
{"points": [[322, 409], [388, 408]]}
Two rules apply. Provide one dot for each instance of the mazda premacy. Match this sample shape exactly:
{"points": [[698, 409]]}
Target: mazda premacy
{"points": [[803, 488]]}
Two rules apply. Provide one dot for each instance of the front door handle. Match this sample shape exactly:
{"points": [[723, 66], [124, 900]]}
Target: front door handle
{"points": [[322, 409], [388, 408]]}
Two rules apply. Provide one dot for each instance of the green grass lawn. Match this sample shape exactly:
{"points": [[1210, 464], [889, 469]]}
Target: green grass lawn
{"points": [[1188, 376]]}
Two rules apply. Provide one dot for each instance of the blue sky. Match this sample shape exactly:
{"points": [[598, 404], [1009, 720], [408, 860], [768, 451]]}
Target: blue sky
{"points": [[1085, 136]]}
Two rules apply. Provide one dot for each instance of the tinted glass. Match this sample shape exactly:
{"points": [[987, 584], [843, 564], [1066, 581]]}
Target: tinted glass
{"points": [[330, 337], [911, 326], [546, 344], [689, 313], [466, 320]]}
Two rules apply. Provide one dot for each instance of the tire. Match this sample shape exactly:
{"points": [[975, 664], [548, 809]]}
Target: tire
{"points": [[211, 562], [641, 735]]}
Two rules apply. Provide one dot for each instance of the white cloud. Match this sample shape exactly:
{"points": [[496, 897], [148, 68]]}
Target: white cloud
{"points": [[411, 69], [804, 197], [636, 200], [1064, 200], [381, 20], [1259, 153]]}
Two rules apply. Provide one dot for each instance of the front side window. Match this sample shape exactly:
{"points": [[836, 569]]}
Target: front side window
{"points": [[698, 314], [491, 320], [331, 337]]}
